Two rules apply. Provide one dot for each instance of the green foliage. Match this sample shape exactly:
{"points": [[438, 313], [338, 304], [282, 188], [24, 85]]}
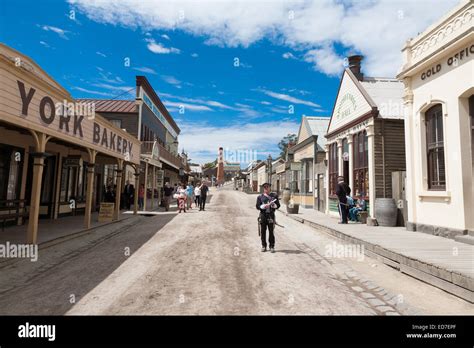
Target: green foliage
{"points": [[283, 144]]}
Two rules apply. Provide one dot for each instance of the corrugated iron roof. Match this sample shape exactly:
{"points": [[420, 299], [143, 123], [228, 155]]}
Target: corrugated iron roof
{"points": [[387, 95], [318, 126], [112, 105]]}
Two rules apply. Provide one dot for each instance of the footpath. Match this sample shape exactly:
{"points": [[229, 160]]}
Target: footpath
{"points": [[441, 262]]}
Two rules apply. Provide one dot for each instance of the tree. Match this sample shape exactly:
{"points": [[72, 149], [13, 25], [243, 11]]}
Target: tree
{"points": [[283, 144], [210, 164]]}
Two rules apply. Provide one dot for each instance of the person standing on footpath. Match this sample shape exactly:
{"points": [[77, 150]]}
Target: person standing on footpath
{"points": [[342, 191], [204, 190], [267, 203], [141, 196], [168, 191], [128, 194]]}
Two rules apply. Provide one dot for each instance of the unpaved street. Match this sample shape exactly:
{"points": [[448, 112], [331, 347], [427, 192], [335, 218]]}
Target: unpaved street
{"points": [[210, 263]]}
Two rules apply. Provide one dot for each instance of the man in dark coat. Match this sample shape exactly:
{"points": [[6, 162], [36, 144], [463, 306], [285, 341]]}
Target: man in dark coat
{"points": [[204, 191], [128, 194], [267, 203], [342, 191], [168, 194]]}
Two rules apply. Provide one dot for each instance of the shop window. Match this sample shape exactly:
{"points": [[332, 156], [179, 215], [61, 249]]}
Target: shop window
{"points": [[116, 123], [73, 183], [333, 168], [11, 166], [47, 187], [306, 175], [435, 148], [361, 161]]}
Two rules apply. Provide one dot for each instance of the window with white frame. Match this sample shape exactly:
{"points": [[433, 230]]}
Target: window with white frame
{"points": [[435, 148]]}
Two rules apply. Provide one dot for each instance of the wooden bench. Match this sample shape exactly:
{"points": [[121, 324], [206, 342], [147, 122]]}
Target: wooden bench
{"points": [[12, 209]]}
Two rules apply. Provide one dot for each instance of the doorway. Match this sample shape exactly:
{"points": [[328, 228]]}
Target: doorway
{"points": [[345, 171]]}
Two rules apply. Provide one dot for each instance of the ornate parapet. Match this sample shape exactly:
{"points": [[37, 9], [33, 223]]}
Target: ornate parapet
{"points": [[434, 38]]}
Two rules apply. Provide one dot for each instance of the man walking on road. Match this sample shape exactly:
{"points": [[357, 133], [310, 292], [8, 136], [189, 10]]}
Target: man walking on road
{"points": [[267, 203], [204, 190], [342, 191]]}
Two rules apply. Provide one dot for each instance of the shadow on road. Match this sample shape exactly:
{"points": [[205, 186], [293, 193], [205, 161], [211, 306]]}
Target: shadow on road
{"points": [[74, 268]]}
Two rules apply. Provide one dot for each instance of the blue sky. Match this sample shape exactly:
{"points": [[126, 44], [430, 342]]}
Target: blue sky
{"points": [[289, 56]]}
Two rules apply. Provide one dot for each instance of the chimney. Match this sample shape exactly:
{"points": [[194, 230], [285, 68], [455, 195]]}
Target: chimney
{"points": [[354, 65]]}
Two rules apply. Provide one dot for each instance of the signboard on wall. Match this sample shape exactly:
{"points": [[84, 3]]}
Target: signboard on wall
{"points": [[160, 178], [295, 166], [350, 104], [73, 161], [31, 99], [106, 212]]}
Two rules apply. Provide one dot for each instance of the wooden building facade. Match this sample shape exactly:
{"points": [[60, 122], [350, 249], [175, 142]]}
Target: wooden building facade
{"points": [[365, 137]]}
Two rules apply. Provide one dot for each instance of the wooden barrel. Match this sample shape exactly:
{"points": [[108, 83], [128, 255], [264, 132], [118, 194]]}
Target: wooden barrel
{"points": [[286, 196], [293, 210], [386, 211]]}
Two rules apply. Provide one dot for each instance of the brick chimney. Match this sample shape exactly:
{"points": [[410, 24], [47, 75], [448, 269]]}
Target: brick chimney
{"points": [[354, 65]]}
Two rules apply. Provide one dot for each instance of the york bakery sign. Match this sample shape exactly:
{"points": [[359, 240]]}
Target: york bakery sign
{"points": [[72, 119]]}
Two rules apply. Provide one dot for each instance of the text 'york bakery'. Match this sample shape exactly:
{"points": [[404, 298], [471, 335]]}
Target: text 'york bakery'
{"points": [[107, 138]]}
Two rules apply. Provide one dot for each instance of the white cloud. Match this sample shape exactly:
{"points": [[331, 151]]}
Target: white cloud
{"points": [[171, 80], [164, 36], [159, 48], [375, 28], [288, 98], [288, 55], [45, 44], [59, 31], [117, 90], [101, 54], [108, 77], [201, 104], [188, 106], [265, 103], [85, 90], [146, 70], [259, 137], [194, 55], [325, 60]]}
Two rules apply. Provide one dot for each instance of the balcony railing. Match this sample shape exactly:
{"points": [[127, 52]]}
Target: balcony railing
{"points": [[164, 153]]}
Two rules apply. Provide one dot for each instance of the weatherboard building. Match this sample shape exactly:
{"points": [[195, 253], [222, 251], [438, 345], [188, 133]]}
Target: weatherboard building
{"points": [[365, 137], [53, 149]]}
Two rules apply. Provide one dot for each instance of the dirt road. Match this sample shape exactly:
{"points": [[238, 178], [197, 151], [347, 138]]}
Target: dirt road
{"points": [[210, 263]]}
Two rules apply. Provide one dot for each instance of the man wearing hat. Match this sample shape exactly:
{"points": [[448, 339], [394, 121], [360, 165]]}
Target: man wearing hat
{"points": [[267, 203], [342, 192]]}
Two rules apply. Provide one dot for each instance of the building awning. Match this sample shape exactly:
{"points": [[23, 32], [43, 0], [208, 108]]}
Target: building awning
{"points": [[55, 113]]}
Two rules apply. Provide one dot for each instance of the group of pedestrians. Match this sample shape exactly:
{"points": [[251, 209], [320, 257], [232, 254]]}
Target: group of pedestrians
{"points": [[127, 197], [186, 195], [349, 207]]}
